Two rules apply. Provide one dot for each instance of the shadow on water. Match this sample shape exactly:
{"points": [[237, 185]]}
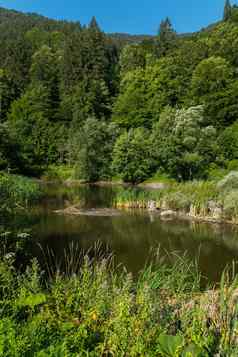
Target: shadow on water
{"points": [[132, 236]]}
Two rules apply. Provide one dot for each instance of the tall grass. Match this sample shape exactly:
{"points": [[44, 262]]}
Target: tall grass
{"points": [[200, 199], [103, 311], [17, 192], [135, 198], [175, 196], [59, 173]]}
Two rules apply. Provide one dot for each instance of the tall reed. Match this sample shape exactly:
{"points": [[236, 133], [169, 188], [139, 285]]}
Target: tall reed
{"points": [[17, 192]]}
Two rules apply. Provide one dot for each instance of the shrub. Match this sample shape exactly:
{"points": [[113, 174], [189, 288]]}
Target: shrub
{"points": [[229, 183], [59, 173], [177, 201], [216, 173], [231, 204], [232, 165]]}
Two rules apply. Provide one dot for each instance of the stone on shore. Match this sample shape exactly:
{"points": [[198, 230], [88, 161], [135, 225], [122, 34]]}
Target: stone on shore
{"points": [[169, 214]]}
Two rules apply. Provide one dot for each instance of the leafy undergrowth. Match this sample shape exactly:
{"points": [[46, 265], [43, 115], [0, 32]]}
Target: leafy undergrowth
{"points": [[160, 178], [17, 192], [101, 311], [59, 173]]}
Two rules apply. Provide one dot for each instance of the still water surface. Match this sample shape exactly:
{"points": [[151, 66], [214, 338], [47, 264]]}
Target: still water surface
{"points": [[132, 236]]}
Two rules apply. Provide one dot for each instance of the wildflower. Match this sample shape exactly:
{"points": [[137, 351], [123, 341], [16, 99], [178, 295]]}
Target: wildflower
{"points": [[94, 316]]}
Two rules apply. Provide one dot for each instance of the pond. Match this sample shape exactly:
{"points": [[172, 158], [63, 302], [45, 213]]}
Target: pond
{"points": [[132, 236]]}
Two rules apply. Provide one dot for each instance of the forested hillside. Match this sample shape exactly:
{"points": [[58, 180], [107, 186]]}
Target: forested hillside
{"points": [[113, 105]]}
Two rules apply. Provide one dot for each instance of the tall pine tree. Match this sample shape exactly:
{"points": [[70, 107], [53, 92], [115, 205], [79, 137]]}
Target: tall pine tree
{"points": [[94, 25], [166, 37], [227, 10]]}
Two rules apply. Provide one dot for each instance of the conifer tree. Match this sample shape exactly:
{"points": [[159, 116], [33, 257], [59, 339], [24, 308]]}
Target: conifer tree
{"points": [[167, 37], [93, 25], [227, 10]]}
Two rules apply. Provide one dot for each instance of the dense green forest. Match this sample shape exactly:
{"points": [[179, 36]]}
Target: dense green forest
{"points": [[115, 105]]}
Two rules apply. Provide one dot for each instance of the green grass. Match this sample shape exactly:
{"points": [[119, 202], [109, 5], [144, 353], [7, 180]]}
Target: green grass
{"points": [[196, 193], [160, 178], [103, 311], [175, 196], [17, 192], [201, 199], [116, 179], [59, 173]]}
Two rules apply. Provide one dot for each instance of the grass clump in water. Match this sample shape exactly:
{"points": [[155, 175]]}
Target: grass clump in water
{"points": [[134, 197], [199, 199], [17, 192], [177, 196]]}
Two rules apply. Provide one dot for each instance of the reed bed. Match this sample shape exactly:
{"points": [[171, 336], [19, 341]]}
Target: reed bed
{"points": [[17, 192], [199, 199]]}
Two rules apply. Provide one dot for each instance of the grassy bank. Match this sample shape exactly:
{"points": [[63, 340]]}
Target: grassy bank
{"points": [[60, 173], [17, 192], [174, 196], [209, 200], [68, 175], [102, 312]]}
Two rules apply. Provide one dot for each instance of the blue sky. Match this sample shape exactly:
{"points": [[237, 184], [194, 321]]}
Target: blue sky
{"points": [[132, 16]]}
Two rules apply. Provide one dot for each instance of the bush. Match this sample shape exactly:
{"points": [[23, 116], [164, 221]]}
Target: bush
{"points": [[231, 204], [216, 173], [131, 156], [59, 173], [229, 183], [177, 201], [232, 165]]}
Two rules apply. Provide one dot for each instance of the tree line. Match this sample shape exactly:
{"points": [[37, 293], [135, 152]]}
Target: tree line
{"points": [[72, 95]]}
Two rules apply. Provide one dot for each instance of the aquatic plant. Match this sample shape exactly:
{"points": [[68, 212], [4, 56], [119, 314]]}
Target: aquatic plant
{"points": [[17, 192], [133, 198], [177, 196]]}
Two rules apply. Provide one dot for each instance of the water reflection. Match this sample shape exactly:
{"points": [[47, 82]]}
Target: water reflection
{"points": [[130, 236]]}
